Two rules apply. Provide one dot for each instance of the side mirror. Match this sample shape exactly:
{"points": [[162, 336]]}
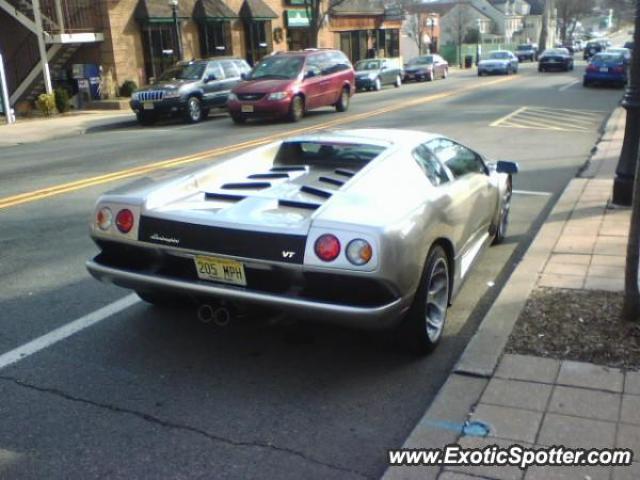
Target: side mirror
{"points": [[510, 168], [210, 78]]}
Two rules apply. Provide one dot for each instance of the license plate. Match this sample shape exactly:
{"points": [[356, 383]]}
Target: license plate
{"points": [[220, 270], [604, 69], [246, 109], [148, 105]]}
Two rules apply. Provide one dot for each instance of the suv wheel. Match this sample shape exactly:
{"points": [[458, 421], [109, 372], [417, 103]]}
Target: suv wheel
{"points": [[296, 110], [343, 101], [398, 82], [194, 110]]}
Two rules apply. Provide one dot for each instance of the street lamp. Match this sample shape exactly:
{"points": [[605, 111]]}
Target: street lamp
{"points": [[625, 171], [176, 27], [431, 22], [479, 44]]}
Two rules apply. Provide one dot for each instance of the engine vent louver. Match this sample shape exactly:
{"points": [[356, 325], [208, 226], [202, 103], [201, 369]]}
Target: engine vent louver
{"points": [[344, 173], [223, 196], [289, 169], [331, 181], [294, 204], [246, 186], [265, 176], [315, 191]]}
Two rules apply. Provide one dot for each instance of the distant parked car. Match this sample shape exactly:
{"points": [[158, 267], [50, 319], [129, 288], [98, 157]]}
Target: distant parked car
{"points": [[593, 47], [527, 51], [426, 67], [189, 89], [498, 61], [373, 74], [292, 83], [606, 68], [555, 59], [629, 45], [625, 52]]}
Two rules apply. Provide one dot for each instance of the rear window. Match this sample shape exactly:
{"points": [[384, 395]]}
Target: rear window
{"points": [[329, 154], [607, 58]]}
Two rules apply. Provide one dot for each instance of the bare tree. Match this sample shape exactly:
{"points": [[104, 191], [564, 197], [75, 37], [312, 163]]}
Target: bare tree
{"points": [[544, 31], [461, 22], [414, 29], [569, 12], [317, 13]]}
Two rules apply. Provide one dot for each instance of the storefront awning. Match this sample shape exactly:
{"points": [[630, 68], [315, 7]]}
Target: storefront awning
{"points": [[257, 10], [213, 10], [156, 11], [297, 19], [359, 8]]}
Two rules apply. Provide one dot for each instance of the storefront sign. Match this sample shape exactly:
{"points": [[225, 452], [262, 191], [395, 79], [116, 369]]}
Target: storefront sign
{"points": [[297, 19]]}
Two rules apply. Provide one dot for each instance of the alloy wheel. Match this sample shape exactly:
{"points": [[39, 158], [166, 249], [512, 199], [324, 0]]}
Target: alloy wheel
{"points": [[437, 300]]}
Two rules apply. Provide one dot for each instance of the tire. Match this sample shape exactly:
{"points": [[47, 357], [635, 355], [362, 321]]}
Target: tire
{"points": [[585, 82], [509, 71], [398, 82], [193, 113], [296, 109], [238, 119], [162, 299], [445, 73], [503, 221], [540, 69], [422, 327], [146, 118], [377, 85], [343, 102], [431, 77]]}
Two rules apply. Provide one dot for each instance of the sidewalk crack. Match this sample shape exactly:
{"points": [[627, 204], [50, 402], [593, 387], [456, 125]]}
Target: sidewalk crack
{"points": [[177, 426]]}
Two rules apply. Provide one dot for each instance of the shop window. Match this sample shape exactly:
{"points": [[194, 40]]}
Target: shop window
{"points": [[160, 48], [259, 39], [215, 38]]}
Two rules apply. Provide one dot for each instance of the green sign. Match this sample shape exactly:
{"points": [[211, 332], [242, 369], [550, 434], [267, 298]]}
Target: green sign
{"points": [[296, 2], [297, 19]]}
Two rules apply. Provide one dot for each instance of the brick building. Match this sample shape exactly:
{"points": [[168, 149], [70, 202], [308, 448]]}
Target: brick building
{"points": [[135, 39]]}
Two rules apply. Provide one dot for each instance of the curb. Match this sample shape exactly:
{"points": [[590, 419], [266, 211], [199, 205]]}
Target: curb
{"points": [[443, 421]]}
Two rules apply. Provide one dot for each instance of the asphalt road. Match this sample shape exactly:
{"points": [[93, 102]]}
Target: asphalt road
{"points": [[147, 393]]}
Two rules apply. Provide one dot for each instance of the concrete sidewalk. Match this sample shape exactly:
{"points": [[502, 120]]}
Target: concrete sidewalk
{"points": [[61, 126], [534, 401]]}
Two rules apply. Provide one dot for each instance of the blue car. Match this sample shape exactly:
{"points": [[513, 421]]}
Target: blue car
{"points": [[606, 68]]}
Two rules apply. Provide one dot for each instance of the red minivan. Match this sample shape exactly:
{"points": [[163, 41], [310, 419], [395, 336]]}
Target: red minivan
{"points": [[289, 84]]}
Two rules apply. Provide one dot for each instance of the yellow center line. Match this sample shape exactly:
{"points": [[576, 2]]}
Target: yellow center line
{"points": [[59, 189]]}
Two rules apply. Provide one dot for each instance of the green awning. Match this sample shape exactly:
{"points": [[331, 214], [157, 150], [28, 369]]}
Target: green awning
{"points": [[358, 8], [213, 10], [257, 10], [297, 19], [156, 11]]}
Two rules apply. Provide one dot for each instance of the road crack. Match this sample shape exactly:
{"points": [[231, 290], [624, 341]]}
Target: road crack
{"points": [[188, 428]]}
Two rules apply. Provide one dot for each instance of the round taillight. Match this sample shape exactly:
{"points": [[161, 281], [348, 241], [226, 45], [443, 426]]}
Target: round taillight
{"points": [[104, 218], [327, 247], [359, 251], [124, 220]]}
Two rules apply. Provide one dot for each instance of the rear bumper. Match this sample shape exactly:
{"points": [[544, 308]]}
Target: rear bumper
{"points": [[554, 65], [370, 318], [605, 77]]}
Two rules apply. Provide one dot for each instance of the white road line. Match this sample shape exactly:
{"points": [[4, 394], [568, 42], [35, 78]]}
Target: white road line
{"points": [[568, 85], [507, 117], [65, 331], [529, 192]]}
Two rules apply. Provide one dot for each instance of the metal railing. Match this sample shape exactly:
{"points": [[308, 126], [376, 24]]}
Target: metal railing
{"points": [[77, 15], [21, 62]]}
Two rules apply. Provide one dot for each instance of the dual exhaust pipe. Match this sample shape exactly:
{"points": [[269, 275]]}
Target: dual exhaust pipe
{"points": [[219, 315]]}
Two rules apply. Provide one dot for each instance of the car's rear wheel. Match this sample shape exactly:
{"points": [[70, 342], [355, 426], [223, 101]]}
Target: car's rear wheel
{"points": [[296, 109], [398, 82], [343, 101], [445, 73], [194, 110], [540, 69], [430, 76], [503, 221], [422, 328], [377, 85]]}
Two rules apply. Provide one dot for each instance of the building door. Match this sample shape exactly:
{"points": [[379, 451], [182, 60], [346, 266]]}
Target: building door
{"points": [[258, 39], [297, 39]]}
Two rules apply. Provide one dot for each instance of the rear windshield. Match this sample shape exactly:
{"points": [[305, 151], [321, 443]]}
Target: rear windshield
{"points": [[555, 51], [525, 47], [278, 67], [500, 55], [607, 58], [368, 65], [426, 60], [329, 154]]}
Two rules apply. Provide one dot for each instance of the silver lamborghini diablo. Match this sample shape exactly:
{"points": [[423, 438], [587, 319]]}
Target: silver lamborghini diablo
{"points": [[369, 228]]}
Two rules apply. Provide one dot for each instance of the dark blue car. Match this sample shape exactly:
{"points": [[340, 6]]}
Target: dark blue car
{"points": [[606, 68]]}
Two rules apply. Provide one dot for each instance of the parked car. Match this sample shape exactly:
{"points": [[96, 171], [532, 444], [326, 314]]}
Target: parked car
{"points": [[289, 84], [629, 45], [606, 68], [375, 229], [555, 59], [593, 47], [426, 67], [527, 51], [372, 74], [189, 89], [625, 52], [498, 61]]}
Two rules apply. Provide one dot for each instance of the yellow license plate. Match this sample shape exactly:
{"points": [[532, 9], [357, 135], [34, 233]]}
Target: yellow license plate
{"points": [[220, 270], [246, 109], [148, 105]]}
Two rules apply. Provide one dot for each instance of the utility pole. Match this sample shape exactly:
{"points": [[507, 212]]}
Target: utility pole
{"points": [[42, 48]]}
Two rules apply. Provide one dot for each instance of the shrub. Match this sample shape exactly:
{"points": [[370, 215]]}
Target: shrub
{"points": [[127, 88], [62, 100], [46, 103]]}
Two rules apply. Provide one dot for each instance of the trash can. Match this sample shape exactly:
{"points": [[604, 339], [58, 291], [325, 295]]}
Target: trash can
{"points": [[468, 61]]}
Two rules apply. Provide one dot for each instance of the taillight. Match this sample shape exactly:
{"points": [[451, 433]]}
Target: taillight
{"points": [[327, 247], [124, 220], [591, 68], [618, 69], [104, 218]]}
